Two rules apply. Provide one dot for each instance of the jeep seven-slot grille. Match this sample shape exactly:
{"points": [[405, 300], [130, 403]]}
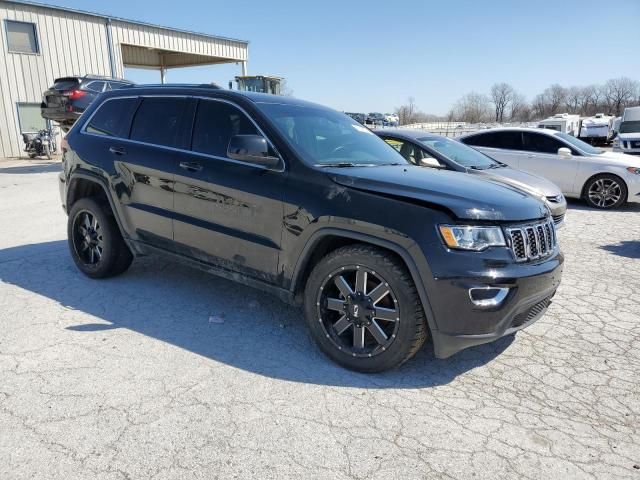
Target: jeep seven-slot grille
{"points": [[531, 242]]}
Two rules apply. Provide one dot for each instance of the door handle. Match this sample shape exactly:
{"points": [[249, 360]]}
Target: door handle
{"points": [[118, 150], [191, 166]]}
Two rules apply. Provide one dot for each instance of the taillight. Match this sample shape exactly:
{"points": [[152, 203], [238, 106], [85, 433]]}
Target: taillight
{"points": [[75, 94]]}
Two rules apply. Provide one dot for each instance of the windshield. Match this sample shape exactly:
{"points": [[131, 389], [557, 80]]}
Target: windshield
{"points": [[459, 152], [324, 137], [630, 127], [585, 147]]}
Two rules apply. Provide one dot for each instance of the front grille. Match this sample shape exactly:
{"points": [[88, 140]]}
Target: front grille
{"points": [[533, 241], [531, 313], [558, 219]]}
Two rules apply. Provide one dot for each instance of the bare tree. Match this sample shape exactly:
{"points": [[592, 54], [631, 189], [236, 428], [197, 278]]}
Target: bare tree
{"points": [[557, 96], [573, 99], [473, 108], [501, 96], [620, 92], [520, 110], [407, 112]]}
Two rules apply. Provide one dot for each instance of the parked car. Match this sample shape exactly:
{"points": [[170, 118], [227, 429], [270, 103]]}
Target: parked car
{"points": [[391, 119], [304, 202], [68, 97], [358, 117], [377, 119], [603, 179], [435, 151], [628, 138]]}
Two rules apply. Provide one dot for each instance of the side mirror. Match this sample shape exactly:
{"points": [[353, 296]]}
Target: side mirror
{"points": [[251, 149], [564, 152], [430, 162]]}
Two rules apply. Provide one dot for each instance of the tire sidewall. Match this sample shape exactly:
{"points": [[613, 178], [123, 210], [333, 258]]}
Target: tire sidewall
{"points": [[619, 181], [399, 349], [109, 252]]}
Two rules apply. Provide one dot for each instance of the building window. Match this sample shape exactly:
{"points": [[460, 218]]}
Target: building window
{"points": [[22, 37], [29, 118]]}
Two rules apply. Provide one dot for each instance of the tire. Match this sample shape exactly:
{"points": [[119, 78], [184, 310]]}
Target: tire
{"points": [[32, 155], [349, 332], [47, 152], [105, 254], [605, 192]]}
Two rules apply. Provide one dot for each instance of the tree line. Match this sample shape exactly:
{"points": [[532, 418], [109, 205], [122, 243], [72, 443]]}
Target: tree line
{"points": [[504, 103]]}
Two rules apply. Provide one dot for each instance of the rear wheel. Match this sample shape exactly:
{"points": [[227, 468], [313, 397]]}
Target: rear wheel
{"points": [[96, 245], [363, 309], [605, 191]]}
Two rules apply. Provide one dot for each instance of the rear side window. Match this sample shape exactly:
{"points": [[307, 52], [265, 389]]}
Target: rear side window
{"points": [[116, 85], [216, 122], [537, 142], [505, 140], [113, 117], [161, 121]]}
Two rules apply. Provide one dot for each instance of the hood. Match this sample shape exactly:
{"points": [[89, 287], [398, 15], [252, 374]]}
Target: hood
{"points": [[619, 158], [532, 184], [468, 197]]}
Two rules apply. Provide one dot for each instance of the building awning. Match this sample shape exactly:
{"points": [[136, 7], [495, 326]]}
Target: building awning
{"points": [[157, 58]]}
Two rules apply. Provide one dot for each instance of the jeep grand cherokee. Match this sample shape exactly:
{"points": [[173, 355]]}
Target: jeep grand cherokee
{"points": [[304, 202]]}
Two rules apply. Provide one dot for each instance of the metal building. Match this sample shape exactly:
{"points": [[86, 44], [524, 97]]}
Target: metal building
{"points": [[39, 43]]}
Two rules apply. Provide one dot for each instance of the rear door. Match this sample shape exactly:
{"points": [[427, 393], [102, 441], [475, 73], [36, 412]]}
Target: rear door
{"points": [[503, 146], [543, 160], [228, 212], [147, 163]]}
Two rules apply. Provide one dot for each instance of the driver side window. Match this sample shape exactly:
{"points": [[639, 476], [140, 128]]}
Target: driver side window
{"points": [[540, 143], [409, 151]]}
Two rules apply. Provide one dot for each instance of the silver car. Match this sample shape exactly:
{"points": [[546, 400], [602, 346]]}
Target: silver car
{"points": [[429, 150], [603, 179]]}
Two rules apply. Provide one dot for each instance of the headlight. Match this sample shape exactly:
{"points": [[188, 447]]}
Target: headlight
{"points": [[466, 237], [633, 170]]}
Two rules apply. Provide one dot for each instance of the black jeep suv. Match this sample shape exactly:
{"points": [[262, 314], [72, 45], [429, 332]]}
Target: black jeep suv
{"points": [[303, 201], [69, 97]]}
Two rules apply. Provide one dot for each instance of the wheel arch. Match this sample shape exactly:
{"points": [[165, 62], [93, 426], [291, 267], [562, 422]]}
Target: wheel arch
{"points": [[326, 240], [85, 184]]}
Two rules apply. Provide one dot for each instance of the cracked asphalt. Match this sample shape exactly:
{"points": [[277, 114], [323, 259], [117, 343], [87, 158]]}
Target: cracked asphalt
{"points": [[128, 378]]}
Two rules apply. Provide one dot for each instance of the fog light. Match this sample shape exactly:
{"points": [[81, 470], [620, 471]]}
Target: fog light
{"points": [[487, 297]]}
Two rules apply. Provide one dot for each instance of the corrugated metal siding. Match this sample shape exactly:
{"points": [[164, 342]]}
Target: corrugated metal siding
{"points": [[73, 43], [68, 43]]}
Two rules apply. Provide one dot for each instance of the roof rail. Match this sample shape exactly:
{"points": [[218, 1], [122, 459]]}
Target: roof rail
{"points": [[170, 85]]}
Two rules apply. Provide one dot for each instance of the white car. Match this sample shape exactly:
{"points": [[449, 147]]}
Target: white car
{"points": [[603, 179]]}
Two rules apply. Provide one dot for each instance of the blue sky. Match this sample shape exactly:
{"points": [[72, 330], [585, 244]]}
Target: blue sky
{"points": [[371, 55]]}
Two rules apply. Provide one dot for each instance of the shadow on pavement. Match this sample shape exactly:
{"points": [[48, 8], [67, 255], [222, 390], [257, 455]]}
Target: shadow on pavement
{"points": [[32, 168], [212, 317], [627, 249]]}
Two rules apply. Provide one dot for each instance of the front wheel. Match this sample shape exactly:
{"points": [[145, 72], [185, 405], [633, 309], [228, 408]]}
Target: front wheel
{"points": [[363, 309], [47, 152], [605, 192]]}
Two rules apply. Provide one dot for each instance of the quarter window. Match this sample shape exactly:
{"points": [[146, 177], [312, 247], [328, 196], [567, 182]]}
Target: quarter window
{"points": [[95, 86], [540, 143], [22, 37], [161, 121], [215, 124], [113, 118]]}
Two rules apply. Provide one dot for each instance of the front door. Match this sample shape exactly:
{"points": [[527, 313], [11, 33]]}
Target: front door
{"points": [[542, 159], [227, 212]]}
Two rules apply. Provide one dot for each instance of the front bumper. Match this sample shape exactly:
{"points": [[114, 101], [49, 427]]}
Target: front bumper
{"points": [[461, 324]]}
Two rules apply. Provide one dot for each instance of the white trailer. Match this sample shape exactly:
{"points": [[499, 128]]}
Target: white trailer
{"points": [[562, 122], [597, 129]]}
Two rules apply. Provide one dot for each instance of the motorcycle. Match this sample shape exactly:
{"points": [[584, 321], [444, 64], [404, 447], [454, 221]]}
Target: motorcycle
{"points": [[40, 144]]}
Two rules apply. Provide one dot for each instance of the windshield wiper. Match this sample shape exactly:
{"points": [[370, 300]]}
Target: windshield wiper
{"points": [[342, 165]]}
